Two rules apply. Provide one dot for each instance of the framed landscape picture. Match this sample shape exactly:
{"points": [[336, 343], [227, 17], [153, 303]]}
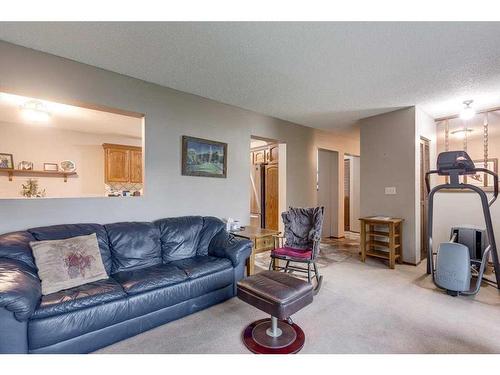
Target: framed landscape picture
{"points": [[202, 157]]}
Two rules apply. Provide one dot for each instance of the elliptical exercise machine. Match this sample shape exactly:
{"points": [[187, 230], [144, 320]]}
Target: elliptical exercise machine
{"points": [[468, 251]]}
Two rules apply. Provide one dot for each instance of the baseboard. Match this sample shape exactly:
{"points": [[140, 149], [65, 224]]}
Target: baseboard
{"points": [[411, 264]]}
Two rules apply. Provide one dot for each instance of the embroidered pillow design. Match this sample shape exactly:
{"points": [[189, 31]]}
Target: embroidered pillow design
{"points": [[64, 264]]}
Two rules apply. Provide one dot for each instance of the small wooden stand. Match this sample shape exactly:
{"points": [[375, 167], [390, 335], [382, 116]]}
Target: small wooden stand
{"points": [[263, 240], [372, 239]]}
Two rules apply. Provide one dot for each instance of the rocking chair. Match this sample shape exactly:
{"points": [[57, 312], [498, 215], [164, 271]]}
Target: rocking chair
{"points": [[302, 241]]}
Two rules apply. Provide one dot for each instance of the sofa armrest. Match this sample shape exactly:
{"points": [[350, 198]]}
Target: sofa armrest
{"points": [[20, 288], [225, 245]]}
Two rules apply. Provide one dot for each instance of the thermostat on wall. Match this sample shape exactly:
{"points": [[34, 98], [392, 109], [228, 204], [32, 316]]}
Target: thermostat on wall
{"points": [[390, 190]]}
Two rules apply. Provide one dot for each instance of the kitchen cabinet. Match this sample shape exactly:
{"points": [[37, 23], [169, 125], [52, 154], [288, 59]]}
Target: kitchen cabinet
{"points": [[136, 166], [271, 189], [122, 163], [272, 154], [259, 157]]}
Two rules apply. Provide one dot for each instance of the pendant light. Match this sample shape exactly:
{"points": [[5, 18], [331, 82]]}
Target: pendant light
{"points": [[467, 112]]}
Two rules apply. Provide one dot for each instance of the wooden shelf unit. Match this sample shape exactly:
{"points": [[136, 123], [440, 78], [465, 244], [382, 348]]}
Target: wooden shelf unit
{"points": [[373, 239], [35, 173]]}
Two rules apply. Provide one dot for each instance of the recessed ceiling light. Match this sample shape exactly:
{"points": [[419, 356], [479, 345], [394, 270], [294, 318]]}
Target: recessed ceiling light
{"points": [[468, 112], [36, 111]]}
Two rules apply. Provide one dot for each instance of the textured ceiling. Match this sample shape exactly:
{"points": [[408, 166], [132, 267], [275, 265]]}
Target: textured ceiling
{"points": [[325, 75]]}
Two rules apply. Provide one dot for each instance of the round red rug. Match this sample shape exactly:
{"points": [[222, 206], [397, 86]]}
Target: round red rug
{"points": [[258, 341]]}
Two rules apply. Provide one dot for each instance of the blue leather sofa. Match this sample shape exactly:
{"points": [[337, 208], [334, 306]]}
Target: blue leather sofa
{"points": [[159, 272]]}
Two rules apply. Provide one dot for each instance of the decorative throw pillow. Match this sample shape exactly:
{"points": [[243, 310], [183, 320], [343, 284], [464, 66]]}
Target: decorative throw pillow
{"points": [[64, 264]]}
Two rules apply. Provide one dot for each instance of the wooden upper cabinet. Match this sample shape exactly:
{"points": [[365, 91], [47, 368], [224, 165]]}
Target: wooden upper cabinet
{"points": [[122, 163], [265, 155], [259, 157], [136, 166], [273, 153]]}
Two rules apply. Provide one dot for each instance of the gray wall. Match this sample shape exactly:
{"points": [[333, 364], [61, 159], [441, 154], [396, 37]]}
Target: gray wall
{"points": [[169, 115], [388, 159], [425, 127]]}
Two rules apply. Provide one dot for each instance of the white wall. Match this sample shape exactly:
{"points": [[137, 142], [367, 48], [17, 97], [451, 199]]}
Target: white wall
{"points": [[169, 114], [50, 145], [388, 160], [452, 209]]}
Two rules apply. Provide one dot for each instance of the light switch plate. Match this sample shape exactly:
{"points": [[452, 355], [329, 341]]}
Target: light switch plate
{"points": [[391, 190]]}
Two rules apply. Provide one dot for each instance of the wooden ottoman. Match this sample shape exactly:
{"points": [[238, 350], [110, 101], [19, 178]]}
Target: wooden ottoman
{"points": [[280, 295]]}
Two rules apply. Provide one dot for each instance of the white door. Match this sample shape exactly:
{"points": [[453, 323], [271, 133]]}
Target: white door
{"points": [[354, 195], [328, 188]]}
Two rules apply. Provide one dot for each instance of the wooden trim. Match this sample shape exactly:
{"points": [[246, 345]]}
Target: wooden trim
{"points": [[34, 173], [122, 147], [412, 264], [75, 103], [260, 148], [185, 140]]}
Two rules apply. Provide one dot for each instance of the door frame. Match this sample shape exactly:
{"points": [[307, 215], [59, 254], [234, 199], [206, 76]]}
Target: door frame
{"points": [[282, 176], [424, 163]]}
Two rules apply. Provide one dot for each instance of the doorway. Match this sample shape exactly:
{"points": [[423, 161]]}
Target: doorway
{"points": [[347, 194], [424, 168], [265, 185], [328, 190], [351, 193]]}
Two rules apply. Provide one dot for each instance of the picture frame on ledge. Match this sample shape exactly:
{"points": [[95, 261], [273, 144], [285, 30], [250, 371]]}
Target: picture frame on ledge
{"points": [[25, 166], [6, 161], [203, 157], [51, 167]]}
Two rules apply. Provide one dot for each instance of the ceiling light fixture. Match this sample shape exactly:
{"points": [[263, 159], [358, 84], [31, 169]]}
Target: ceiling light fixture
{"points": [[36, 111], [467, 112]]}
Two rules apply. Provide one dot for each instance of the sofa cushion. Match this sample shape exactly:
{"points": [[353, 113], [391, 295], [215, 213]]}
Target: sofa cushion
{"points": [[133, 245], [16, 246], [64, 264], [211, 226], [179, 236], [202, 265], [61, 232], [144, 279], [147, 302], [80, 297], [56, 328]]}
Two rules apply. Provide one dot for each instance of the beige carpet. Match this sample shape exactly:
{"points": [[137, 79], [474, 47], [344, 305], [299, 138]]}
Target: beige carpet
{"points": [[361, 308]]}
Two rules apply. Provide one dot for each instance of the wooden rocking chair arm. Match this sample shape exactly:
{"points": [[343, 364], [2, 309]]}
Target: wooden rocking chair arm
{"points": [[278, 240]]}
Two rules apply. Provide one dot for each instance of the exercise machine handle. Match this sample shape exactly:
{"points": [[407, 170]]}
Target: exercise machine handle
{"points": [[427, 180], [487, 171], [495, 183]]}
